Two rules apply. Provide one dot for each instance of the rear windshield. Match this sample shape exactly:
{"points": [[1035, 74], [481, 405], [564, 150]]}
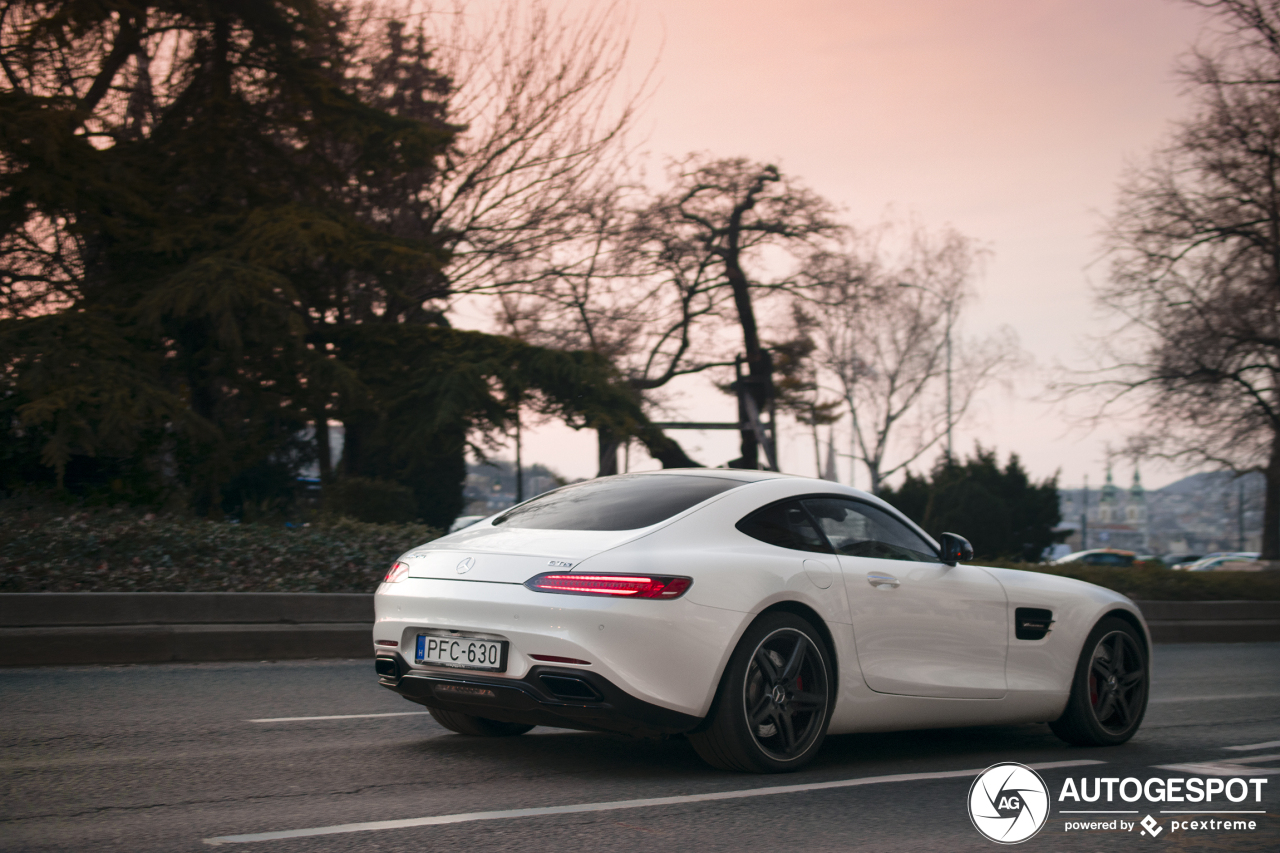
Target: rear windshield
{"points": [[615, 503]]}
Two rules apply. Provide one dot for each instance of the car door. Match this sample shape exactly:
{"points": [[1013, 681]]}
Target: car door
{"points": [[922, 628]]}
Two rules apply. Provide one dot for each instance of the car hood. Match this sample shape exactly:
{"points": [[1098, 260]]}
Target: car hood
{"points": [[509, 555]]}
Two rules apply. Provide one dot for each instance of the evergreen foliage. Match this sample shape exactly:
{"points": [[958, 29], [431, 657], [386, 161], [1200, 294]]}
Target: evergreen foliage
{"points": [[1000, 510], [212, 234]]}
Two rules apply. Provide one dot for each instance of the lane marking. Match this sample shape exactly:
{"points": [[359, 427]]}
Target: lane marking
{"points": [[1250, 759], [1268, 745], [1222, 768], [469, 817], [1219, 699], [336, 717]]}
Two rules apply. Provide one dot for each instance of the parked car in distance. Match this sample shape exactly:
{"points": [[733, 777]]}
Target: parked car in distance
{"points": [[1186, 564], [1242, 561], [1112, 557], [1175, 560]]}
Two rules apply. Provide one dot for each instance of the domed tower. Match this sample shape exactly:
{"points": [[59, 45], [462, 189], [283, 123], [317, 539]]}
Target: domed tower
{"points": [[1107, 499], [1135, 512]]}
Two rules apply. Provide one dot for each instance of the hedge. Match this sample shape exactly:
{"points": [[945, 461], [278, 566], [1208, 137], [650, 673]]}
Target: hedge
{"points": [[1161, 584], [48, 549], [118, 550]]}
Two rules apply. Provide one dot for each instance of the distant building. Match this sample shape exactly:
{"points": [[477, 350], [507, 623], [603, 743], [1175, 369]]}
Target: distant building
{"points": [[1199, 514]]}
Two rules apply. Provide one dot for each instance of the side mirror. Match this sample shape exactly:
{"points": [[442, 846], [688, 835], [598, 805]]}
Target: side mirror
{"points": [[955, 549]]}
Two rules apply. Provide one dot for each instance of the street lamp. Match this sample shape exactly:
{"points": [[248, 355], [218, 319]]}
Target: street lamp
{"points": [[949, 304]]}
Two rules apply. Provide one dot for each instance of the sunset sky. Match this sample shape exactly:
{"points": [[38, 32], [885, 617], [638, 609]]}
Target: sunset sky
{"points": [[1011, 120]]}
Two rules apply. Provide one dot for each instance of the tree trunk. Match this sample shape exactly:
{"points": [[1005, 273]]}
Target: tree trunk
{"points": [[608, 443], [1271, 509], [665, 449], [759, 378], [324, 453]]}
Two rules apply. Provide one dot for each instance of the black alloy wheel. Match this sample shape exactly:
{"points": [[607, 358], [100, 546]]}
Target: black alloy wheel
{"points": [[774, 703], [1117, 682], [784, 716], [1109, 693]]}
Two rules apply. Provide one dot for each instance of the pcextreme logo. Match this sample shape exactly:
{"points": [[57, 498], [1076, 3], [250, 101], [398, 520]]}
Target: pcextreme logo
{"points": [[1008, 803]]}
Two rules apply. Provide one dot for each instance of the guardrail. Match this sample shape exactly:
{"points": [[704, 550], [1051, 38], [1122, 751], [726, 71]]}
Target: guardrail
{"points": [[1212, 621], [152, 627]]}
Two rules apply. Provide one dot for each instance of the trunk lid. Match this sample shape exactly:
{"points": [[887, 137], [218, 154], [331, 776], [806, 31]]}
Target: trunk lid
{"points": [[509, 556]]}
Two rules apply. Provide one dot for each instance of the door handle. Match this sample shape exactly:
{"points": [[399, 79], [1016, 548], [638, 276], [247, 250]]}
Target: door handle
{"points": [[880, 580]]}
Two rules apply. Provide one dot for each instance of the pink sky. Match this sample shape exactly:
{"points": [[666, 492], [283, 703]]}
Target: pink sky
{"points": [[1011, 120]]}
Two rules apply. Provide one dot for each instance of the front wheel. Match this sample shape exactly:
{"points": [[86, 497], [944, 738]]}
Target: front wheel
{"points": [[771, 712], [1109, 692], [465, 724]]}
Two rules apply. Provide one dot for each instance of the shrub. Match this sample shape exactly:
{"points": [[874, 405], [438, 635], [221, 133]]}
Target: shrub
{"points": [[118, 550], [371, 500], [1160, 584]]}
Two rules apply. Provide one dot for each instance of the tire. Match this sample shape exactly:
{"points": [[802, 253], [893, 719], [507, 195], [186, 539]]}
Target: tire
{"points": [[772, 708], [1110, 689], [465, 724]]}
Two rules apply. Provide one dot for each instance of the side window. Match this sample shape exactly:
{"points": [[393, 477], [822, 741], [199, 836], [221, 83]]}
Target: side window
{"points": [[860, 530], [786, 525]]}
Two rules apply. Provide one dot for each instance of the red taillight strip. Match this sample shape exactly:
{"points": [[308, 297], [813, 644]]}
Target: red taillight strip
{"points": [[555, 659], [638, 586]]}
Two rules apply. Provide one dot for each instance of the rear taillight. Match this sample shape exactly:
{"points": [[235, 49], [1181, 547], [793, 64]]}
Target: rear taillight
{"points": [[615, 586], [398, 572]]}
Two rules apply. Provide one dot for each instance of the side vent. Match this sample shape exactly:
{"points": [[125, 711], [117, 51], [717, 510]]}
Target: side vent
{"points": [[568, 687], [1031, 623]]}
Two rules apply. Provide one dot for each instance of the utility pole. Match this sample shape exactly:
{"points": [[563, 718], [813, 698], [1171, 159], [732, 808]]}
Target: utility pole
{"points": [[519, 459], [1084, 518], [1240, 517]]}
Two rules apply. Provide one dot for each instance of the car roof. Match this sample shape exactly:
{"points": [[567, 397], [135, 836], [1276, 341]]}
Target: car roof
{"points": [[746, 475]]}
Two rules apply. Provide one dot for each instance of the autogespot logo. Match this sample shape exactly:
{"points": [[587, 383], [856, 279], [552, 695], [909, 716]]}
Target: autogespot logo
{"points": [[1008, 803]]}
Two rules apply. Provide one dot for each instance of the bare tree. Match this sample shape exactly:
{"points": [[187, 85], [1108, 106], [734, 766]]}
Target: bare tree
{"points": [[607, 292], [660, 285], [884, 344], [1195, 248], [537, 92]]}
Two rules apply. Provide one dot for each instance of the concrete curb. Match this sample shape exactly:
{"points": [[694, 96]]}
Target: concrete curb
{"points": [[39, 629]]}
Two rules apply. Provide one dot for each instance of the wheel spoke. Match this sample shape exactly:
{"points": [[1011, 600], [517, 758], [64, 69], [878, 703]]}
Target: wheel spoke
{"points": [[767, 669], [806, 701], [792, 668], [788, 733], [1122, 704], [1106, 706], [1132, 679], [761, 711], [1117, 655], [1100, 669]]}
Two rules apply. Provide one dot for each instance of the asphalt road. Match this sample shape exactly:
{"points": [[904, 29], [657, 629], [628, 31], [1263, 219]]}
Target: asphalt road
{"points": [[165, 757]]}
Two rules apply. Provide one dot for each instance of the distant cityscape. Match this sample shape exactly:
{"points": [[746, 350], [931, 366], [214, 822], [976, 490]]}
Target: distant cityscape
{"points": [[1198, 514], [491, 486]]}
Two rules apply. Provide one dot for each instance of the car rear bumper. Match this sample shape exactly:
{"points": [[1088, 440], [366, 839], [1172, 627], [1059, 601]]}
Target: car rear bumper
{"points": [[668, 654], [545, 696]]}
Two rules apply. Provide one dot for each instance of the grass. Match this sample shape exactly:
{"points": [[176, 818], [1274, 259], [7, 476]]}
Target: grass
{"points": [[123, 550]]}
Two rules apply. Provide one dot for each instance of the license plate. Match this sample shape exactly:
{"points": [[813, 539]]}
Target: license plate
{"points": [[462, 652]]}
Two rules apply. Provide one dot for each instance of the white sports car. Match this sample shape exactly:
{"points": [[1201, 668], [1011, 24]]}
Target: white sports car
{"points": [[753, 612]]}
